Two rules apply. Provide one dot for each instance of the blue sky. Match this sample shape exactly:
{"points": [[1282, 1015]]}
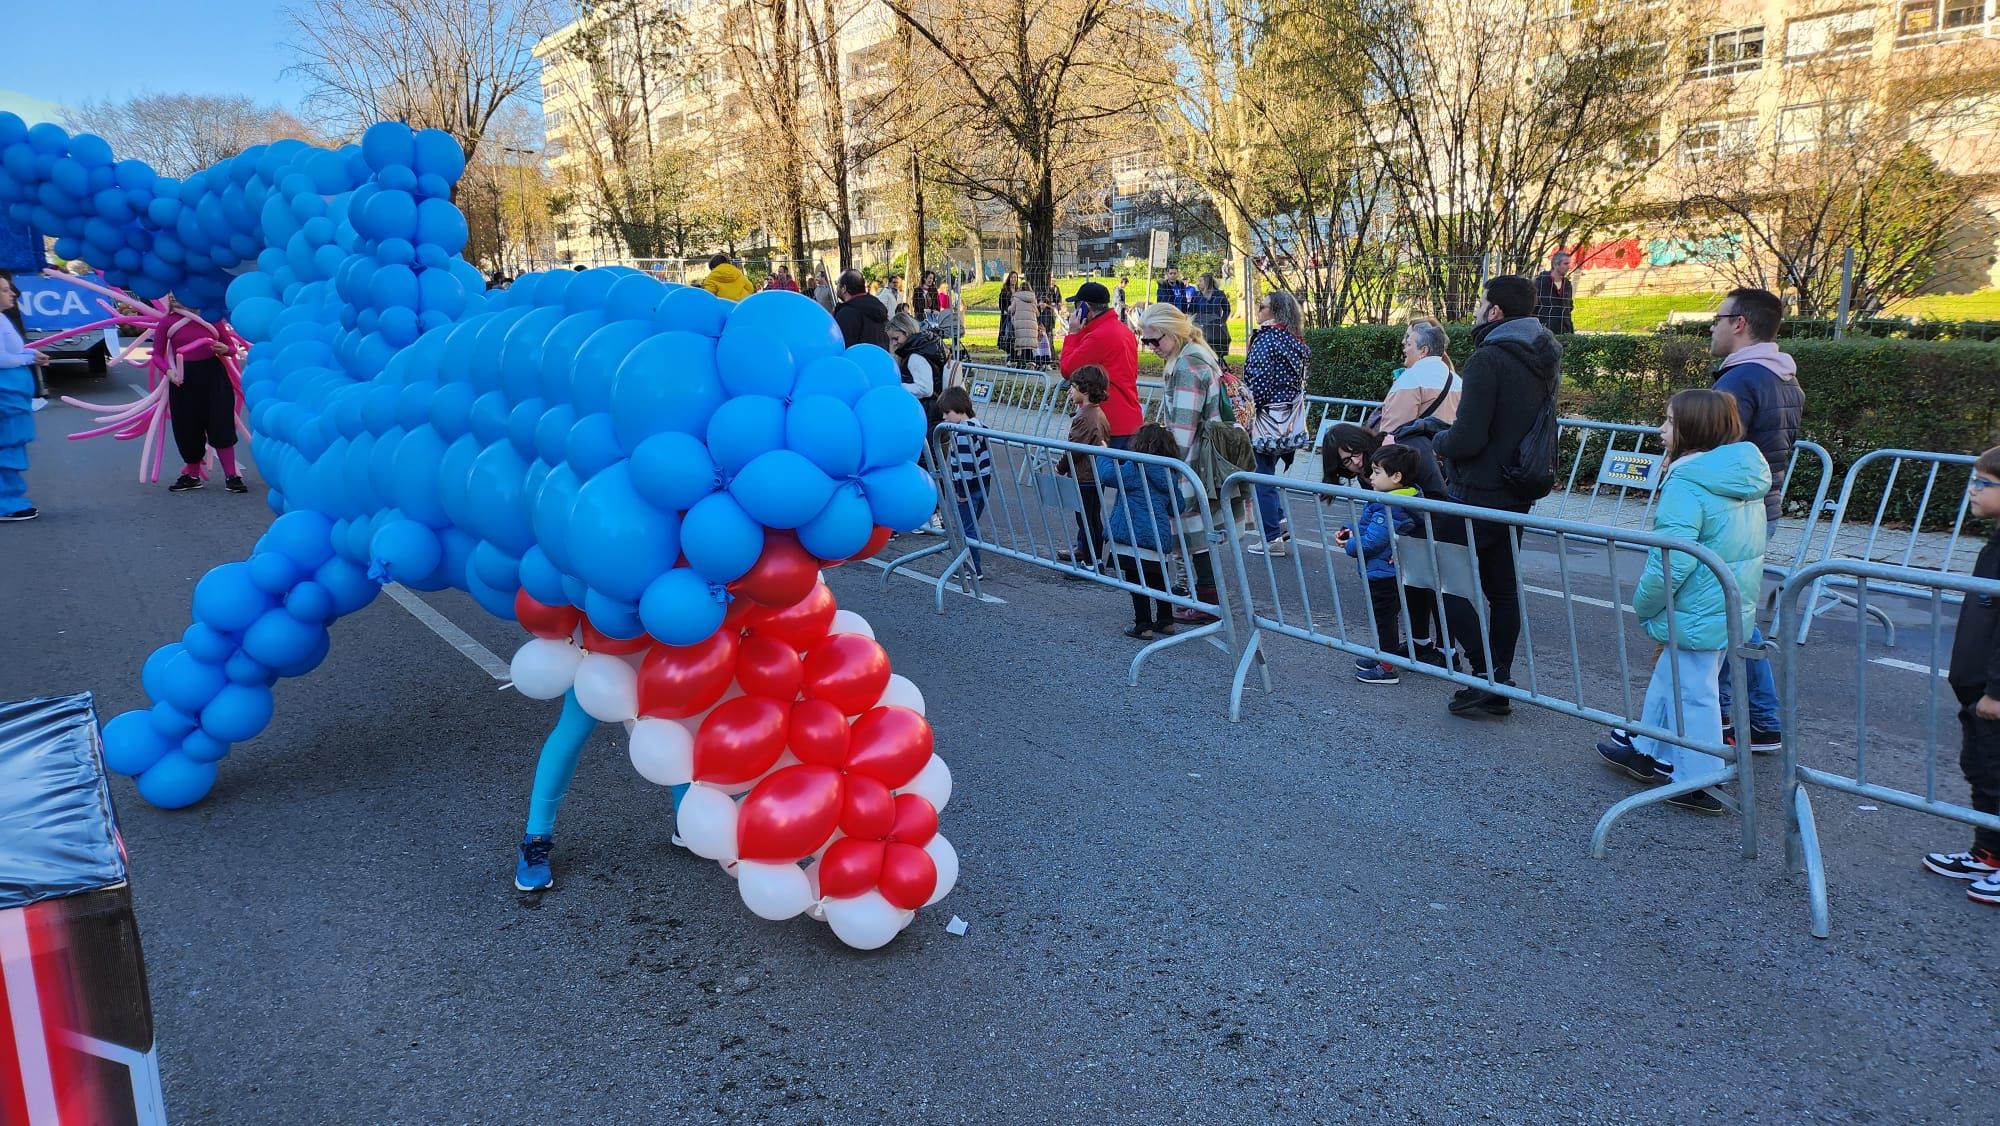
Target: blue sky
{"points": [[68, 51]]}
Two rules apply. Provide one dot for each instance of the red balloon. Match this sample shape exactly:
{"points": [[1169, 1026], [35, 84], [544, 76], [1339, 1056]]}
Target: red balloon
{"points": [[783, 574], [596, 642], [818, 733], [742, 613], [768, 666], [847, 670], [909, 875], [877, 540], [890, 745], [544, 620], [851, 867], [869, 811], [789, 815], [916, 819], [677, 681], [740, 740], [803, 622]]}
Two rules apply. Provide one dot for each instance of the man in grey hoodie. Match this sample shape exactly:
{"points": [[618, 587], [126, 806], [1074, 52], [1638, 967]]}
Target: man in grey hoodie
{"points": [[1765, 384]]}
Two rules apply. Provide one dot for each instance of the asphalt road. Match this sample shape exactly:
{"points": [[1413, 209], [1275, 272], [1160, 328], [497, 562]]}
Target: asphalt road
{"points": [[1348, 907]]}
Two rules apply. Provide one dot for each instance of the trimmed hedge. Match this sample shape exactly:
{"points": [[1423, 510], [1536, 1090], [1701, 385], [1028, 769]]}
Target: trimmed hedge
{"points": [[1861, 394]]}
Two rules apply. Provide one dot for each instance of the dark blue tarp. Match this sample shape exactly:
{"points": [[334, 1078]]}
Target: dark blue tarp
{"points": [[57, 833], [20, 247]]}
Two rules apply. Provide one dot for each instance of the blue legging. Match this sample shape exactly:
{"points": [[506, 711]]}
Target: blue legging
{"points": [[561, 751]]}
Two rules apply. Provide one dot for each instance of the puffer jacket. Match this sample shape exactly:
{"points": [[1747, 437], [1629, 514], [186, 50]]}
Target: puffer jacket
{"points": [[1513, 370], [1148, 500], [728, 283], [1023, 314], [1373, 542], [1769, 400], [1712, 499]]}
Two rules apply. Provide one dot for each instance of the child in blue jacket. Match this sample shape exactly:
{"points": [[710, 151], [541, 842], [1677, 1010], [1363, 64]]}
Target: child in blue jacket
{"points": [[1141, 526], [1393, 472]]}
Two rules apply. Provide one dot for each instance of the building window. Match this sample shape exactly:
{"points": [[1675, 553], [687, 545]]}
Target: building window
{"points": [[1727, 52], [1717, 138], [1830, 37], [1641, 148], [1926, 21], [1810, 126]]}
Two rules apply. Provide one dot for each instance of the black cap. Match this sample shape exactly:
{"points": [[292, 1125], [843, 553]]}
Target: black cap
{"points": [[1092, 293]]}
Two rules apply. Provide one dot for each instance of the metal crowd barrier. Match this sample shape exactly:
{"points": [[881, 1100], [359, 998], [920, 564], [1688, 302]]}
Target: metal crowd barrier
{"points": [[1021, 400], [1941, 477], [1030, 513], [1317, 595], [1887, 769]]}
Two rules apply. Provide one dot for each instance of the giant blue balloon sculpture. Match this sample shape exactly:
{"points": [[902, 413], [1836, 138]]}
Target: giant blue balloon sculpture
{"points": [[599, 439]]}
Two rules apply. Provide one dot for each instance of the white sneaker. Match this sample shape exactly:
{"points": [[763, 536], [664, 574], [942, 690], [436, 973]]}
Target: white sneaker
{"points": [[36, 404], [1274, 547]]}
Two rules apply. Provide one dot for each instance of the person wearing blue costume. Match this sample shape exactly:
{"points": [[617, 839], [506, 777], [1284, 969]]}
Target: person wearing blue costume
{"points": [[561, 751], [17, 419]]}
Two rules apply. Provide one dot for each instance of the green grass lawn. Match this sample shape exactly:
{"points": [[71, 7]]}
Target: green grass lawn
{"points": [[1645, 312]]}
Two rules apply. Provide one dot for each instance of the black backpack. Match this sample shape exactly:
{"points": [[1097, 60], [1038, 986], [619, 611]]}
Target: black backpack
{"points": [[1532, 473]]}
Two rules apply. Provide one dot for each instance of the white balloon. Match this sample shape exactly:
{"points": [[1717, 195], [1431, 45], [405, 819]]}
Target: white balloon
{"points": [[729, 867], [662, 752], [901, 693], [946, 858], [607, 688], [847, 621], [706, 822], [773, 891], [932, 783], [865, 922], [544, 668], [816, 910]]}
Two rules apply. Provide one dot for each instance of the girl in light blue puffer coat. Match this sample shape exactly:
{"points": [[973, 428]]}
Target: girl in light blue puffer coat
{"points": [[1712, 495]]}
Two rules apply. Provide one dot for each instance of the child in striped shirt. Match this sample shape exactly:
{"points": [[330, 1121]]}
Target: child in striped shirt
{"points": [[969, 464]]}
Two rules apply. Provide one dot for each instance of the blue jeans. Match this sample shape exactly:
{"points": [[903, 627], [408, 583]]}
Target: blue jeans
{"points": [[970, 504], [1763, 688], [1699, 717], [1270, 506]]}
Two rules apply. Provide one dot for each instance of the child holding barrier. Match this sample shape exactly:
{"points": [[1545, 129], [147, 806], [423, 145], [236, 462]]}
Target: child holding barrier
{"points": [[969, 464], [1142, 525], [1088, 389], [1712, 493], [1392, 471], [1974, 677]]}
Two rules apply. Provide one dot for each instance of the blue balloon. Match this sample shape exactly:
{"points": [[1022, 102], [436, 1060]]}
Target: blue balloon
{"points": [[593, 445], [176, 781], [617, 541], [611, 617], [238, 712], [633, 298], [825, 432], [190, 683], [153, 674], [720, 541], [559, 352], [304, 537], [130, 743], [540, 578], [496, 568], [602, 356], [781, 489], [553, 505], [403, 551], [227, 600], [439, 224], [902, 497], [836, 377], [311, 603], [892, 427], [349, 585], [673, 471], [668, 382], [691, 309], [841, 528], [200, 746], [744, 427], [494, 600], [768, 337], [242, 670], [438, 154], [278, 639], [272, 572], [388, 144], [170, 722], [681, 608], [497, 483], [877, 366], [206, 645]]}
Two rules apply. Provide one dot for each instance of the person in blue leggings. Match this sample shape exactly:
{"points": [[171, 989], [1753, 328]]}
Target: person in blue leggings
{"points": [[557, 765]]}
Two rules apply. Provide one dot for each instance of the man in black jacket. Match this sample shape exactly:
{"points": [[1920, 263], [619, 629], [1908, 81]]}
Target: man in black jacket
{"points": [[861, 321], [1975, 679], [1555, 295], [1510, 382]]}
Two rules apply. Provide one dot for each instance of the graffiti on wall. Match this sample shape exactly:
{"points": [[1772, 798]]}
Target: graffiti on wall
{"points": [[1633, 254]]}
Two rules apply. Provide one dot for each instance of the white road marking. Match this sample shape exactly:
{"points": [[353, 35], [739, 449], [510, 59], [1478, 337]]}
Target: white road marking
{"points": [[1583, 598], [1906, 666], [455, 637]]}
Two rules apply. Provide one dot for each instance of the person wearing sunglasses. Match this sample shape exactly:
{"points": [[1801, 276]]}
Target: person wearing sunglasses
{"points": [[1192, 395]]}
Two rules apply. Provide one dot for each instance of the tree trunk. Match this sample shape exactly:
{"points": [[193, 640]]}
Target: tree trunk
{"points": [[918, 255], [1038, 233]]}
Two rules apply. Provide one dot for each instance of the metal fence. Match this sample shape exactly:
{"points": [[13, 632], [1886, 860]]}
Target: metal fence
{"points": [[1317, 594], [1032, 510], [1918, 523], [1895, 765]]}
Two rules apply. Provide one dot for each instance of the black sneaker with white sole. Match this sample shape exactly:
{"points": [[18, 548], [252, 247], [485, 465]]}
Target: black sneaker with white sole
{"points": [[20, 515], [1638, 764], [184, 484], [235, 485], [1762, 742], [1973, 865], [1700, 801], [1473, 702]]}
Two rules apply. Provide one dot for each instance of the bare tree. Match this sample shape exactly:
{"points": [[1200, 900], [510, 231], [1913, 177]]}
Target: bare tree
{"points": [[1503, 127], [180, 134], [761, 48], [1029, 93], [505, 195], [1860, 155], [442, 64]]}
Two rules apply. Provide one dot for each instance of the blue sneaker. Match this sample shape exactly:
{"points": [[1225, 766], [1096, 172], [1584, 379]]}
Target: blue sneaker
{"points": [[1378, 674], [1363, 664], [531, 868]]}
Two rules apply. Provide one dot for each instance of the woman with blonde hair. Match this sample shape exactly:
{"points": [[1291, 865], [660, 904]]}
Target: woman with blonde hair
{"points": [[1192, 395]]}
